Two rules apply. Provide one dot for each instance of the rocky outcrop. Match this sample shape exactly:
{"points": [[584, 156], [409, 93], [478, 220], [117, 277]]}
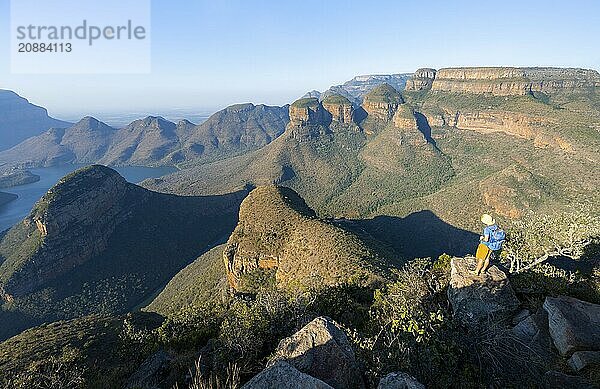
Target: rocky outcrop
{"points": [[573, 324], [477, 298], [399, 380], [339, 107], [382, 102], [421, 80], [307, 111], [322, 350], [505, 81], [73, 220], [278, 231], [404, 119], [153, 373], [283, 375]]}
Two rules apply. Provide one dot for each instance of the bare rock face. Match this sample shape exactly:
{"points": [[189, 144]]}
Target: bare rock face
{"points": [[573, 324], [322, 350], [339, 107], [283, 375], [73, 222], [476, 298], [278, 231], [382, 102], [404, 119], [505, 81], [399, 380], [307, 111], [421, 80]]}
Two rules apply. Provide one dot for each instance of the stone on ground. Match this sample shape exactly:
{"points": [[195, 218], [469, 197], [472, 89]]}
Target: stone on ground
{"points": [[322, 350], [283, 375], [476, 298], [399, 380], [574, 324]]}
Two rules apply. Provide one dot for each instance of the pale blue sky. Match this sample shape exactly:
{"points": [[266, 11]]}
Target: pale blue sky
{"points": [[209, 54]]}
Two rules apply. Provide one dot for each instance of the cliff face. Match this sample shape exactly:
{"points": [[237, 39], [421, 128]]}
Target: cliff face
{"points": [[421, 80], [340, 108], [382, 102], [307, 111], [504, 81], [404, 119], [277, 231], [71, 223], [511, 123]]}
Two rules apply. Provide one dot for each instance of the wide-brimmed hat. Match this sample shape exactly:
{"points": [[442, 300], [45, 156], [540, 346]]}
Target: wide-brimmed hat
{"points": [[488, 219]]}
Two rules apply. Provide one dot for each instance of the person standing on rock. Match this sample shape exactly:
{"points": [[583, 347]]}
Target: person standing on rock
{"points": [[490, 244]]}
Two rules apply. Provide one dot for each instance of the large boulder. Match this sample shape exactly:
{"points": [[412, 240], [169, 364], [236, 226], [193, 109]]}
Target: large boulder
{"points": [[573, 324], [322, 350], [283, 375], [477, 298], [581, 360], [399, 380], [532, 333], [153, 373]]}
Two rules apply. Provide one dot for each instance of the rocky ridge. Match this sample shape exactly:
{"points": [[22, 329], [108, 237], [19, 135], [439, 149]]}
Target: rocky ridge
{"points": [[504, 81]]}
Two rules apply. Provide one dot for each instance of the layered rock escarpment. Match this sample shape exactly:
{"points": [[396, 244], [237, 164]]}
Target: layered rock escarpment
{"points": [[382, 102], [521, 125], [277, 231], [307, 111], [68, 226], [339, 107], [504, 81], [405, 120], [421, 80]]}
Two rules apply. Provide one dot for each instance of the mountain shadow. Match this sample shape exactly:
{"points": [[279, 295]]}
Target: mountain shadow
{"points": [[419, 235], [97, 244], [424, 127]]}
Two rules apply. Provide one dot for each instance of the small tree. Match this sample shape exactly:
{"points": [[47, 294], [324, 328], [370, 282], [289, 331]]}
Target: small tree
{"points": [[534, 239]]}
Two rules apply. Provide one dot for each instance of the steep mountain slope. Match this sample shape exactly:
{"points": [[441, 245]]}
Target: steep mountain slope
{"points": [[85, 142], [355, 89], [154, 141], [232, 131], [202, 281], [97, 244], [143, 142], [19, 119], [278, 232]]}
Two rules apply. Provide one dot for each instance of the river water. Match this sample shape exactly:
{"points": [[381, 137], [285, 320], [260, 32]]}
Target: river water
{"points": [[16, 210]]}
